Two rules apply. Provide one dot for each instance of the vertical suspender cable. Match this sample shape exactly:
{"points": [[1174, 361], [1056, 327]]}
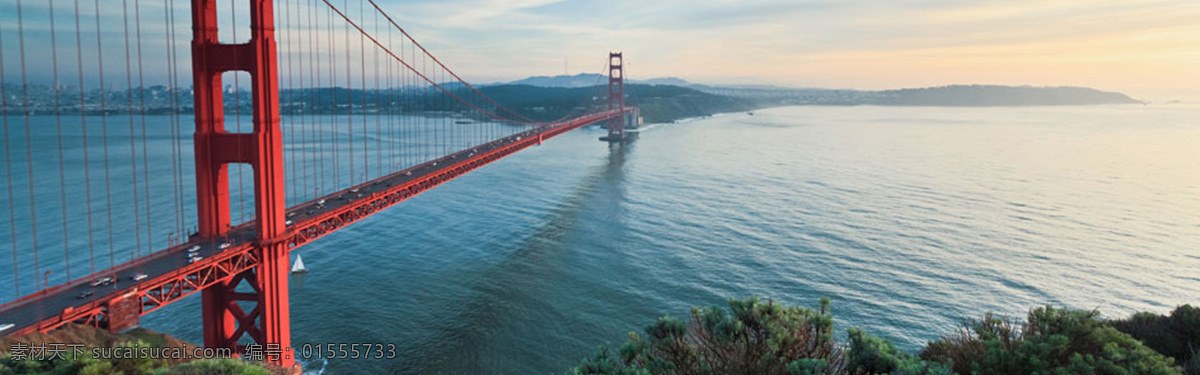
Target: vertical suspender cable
{"points": [[299, 92], [28, 142], [170, 35], [430, 135], [301, 148], [237, 112], [442, 113], [391, 85], [444, 105], [299, 153], [137, 220], [426, 133], [329, 106], [178, 123], [415, 118], [378, 139], [112, 256], [8, 175], [313, 78], [407, 121], [62, 174], [337, 166], [362, 60], [87, 165], [349, 101], [291, 131], [137, 18]]}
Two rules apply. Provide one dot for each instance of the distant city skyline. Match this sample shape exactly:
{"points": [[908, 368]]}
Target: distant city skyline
{"points": [[1145, 48]]}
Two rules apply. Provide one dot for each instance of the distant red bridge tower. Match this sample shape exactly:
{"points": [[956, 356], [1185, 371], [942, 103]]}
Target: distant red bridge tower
{"points": [[616, 96]]}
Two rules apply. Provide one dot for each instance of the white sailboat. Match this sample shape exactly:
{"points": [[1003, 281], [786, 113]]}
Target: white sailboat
{"points": [[298, 267]]}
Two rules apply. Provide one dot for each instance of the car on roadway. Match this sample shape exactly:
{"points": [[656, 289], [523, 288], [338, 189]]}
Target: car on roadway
{"points": [[194, 249], [138, 276], [84, 294], [103, 281], [194, 259], [223, 246], [6, 326]]}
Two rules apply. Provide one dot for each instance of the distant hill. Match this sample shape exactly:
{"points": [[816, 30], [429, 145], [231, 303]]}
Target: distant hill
{"points": [[588, 80], [666, 103], [657, 103], [983, 95], [957, 95]]}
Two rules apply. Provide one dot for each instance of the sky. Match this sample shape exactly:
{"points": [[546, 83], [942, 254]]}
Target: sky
{"points": [[1141, 47], [1149, 49]]}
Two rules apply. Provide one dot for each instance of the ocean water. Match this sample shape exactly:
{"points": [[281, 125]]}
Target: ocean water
{"points": [[910, 219]]}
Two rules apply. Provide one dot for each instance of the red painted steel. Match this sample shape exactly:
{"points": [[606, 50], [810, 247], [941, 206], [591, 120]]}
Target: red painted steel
{"points": [[616, 95], [224, 321], [159, 291]]}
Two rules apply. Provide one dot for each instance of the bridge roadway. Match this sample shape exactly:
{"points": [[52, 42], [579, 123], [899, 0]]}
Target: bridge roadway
{"points": [[47, 309]]}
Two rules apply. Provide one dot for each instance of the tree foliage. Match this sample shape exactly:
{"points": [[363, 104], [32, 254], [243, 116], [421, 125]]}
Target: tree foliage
{"points": [[751, 337], [86, 365], [1052, 341], [1176, 335], [756, 337], [873, 355], [220, 366]]}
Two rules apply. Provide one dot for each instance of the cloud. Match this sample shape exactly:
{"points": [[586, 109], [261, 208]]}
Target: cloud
{"points": [[1113, 44]]}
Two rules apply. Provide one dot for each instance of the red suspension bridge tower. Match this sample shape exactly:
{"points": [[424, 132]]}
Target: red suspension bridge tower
{"points": [[616, 96], [225, 321]]}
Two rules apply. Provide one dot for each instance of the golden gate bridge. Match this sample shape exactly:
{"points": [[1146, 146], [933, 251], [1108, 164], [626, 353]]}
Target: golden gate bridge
{"points": [[366, 117]]}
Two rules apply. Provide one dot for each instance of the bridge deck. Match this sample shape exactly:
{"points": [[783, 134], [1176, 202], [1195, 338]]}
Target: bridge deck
{"points": [[171, 277]]}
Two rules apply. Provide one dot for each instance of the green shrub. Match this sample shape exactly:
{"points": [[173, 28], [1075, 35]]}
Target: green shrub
{"points": [[873, 355], [70, 364], [219, 366], [752, 337], [1176, 335], [1052, 340], [86, 365]]}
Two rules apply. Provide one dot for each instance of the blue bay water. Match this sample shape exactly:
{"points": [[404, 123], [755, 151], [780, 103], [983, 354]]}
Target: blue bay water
{"points": [[910, 219]]}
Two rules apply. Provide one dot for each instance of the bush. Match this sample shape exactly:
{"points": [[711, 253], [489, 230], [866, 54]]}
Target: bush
{"points": [[1052, 341], [86, 365], [220, 366], [1176, 335], [753, 337], [873, 355], [69, 364]]}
